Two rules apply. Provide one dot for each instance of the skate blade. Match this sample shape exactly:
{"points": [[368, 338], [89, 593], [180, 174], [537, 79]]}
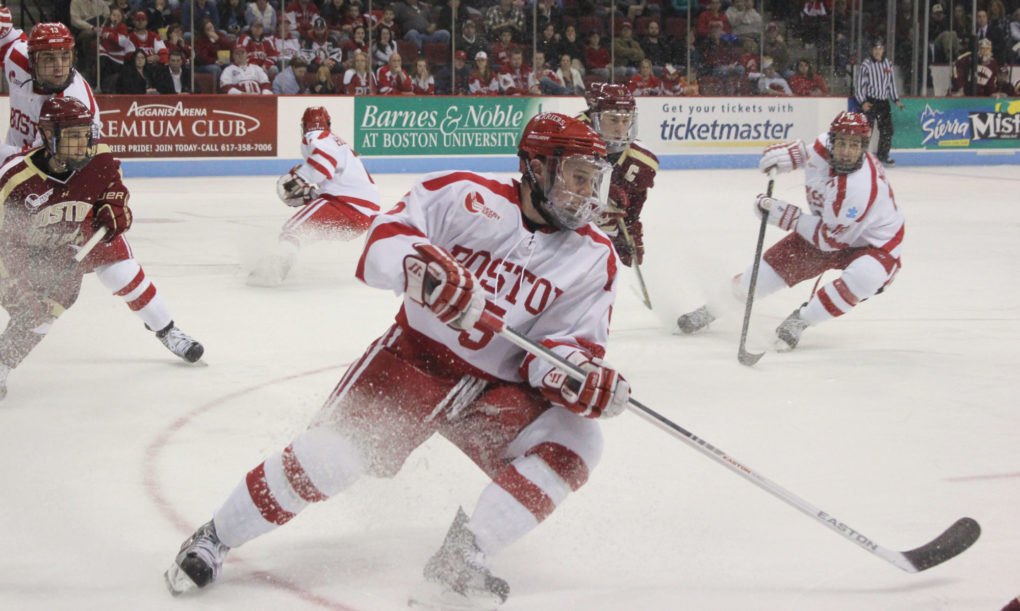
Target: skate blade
{"points": [[780, 346], [438, 598], [177, 581]]}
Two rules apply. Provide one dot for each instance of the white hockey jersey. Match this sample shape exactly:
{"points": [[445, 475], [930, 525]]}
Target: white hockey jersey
{"points": [[26, 103], [332, 165], [556, 286], [849, 210], [248, 78]]}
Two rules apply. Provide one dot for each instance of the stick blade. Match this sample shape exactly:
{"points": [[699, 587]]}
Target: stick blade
{"points": [[951, 543], [749, 358]]}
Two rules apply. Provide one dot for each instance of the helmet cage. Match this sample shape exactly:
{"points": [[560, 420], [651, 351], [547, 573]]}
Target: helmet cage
{"points": [[59, 114], [50, 37], [576, 189], [606, 123], [848, 124]]}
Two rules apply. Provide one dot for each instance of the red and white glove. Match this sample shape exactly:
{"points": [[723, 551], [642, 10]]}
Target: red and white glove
{"points": [[603, 394], [781, 214], [444, 285], [615, 210], [114, 215], [293, 190], [785, 157]]}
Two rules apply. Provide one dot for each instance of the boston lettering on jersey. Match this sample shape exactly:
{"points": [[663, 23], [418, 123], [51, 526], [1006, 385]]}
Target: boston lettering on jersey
{"points": [[494, 274]]}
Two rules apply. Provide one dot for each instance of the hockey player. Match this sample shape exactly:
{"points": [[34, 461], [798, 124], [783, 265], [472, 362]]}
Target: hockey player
{"points": [[39, 68], [853, 225], [335, 193], [456, 244], [613, 114]]}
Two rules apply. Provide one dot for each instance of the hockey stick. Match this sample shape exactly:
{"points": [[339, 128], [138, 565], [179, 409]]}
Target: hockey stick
{"points": [[952, 542], [87, 247], [637, 268], [745, 357]]}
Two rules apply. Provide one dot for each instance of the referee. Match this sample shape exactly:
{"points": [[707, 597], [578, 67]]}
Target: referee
{"points": [[874, 90]]}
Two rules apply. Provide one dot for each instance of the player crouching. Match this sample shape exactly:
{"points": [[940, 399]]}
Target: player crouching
{"points": [[853, 224]]}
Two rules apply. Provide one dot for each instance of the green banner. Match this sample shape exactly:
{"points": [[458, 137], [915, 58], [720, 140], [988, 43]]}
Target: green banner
{"points": [[957, 123], [440, 125]]}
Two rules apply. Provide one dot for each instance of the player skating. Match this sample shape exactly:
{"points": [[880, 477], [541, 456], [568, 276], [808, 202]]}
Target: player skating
{"points": [[613, 114], [854, 225], [39, 68], [335, 193], [459, 242]]}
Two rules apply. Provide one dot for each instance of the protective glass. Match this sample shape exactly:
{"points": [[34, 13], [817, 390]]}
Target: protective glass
{"points": [[74, 147], [51, 69], [577, 189], [846, 152], [617, 127]]}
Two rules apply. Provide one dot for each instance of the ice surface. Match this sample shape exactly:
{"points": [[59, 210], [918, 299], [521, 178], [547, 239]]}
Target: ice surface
{"points": [[898, 418]]}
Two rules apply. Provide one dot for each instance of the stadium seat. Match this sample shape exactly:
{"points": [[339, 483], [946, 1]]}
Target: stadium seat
{"points": [[438, 53], [675, 26], [587, 23], [205, 82], [408, 53], [641, 25]]}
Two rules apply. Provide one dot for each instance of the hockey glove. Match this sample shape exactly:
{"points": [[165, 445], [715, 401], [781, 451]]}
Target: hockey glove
{"points": [[785, 157], [630, 251], [114, 215], [616, 209], [441, 283], [294, 191], [781, 214], [603, 394]]}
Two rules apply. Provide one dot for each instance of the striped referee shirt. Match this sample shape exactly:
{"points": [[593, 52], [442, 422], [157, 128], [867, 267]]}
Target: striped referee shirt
{"points": [[875, 80]]}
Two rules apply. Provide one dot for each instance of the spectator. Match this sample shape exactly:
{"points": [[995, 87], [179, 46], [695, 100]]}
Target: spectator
{"points": [[359, 80], [175, 77], [422, 82], [388, 20], [290, 80], [684, 51], [542, 80], [232, 17], [136, 76], [212, 50], [548, 44], [744, 20], [175, 42], [961, 24], [710, 16], [301, 16], [627, 52], [261, 10], [470, 42], [454, 79], [631, 9], [203, 9], [392, 79], [287, 45], [352, 18], [357, 43], [383, 48], [645, 83], [546, 12], [720, 58], [113, 47], [160, 15], [806, 82], [320, 48], [87, 18], [596, 57], [502, 15], [261, 50], [945, 43], [982, 80], [144, 39], [416, 23], [570, 76], [334, 12], [571, 45], [675, 84], [655, 47], [451, 8], [771, 82], [240, 77], [1014, 37], [482, 80], [993, 33], [812, 20], [500, 52], [323, 84], [513, 77], [775, 47], [749, 60]]}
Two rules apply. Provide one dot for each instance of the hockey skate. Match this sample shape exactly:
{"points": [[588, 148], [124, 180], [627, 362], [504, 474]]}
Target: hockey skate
{"points": [[788, 332], [180, 343], [458, 575], [198, 563], [269, 272], [695, 321]]}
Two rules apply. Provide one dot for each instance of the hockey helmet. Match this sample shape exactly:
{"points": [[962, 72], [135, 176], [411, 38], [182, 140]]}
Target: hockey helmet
{"points": [[60, 114], [613, 114], [315, 118], [49, 75], [848, 124], [573, 186], [6, 23]]}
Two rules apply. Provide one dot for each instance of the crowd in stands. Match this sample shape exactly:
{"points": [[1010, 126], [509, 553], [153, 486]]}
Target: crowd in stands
{"points": [[485, 47]]}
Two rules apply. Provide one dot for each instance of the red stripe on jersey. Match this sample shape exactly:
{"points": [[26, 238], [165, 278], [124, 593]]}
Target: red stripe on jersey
{"points": [[143, 299], [840, 194], [263, 498], [874, 187], [821, 150], [364, 203], [895, 241], [510, 192], [328, 158], [19, 58], [299, 479], [135, 283], [564, 461], [611, 265], [383, 232], [526, 492], [845, 292], [827, 303], [321, 169]]}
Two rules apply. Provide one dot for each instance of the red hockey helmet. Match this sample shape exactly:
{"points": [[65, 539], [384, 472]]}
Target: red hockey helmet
{"points": [[314, 118], [51, 75], [613, 114], [573, 186], [6, 23], [59, 114], [852, 124]]}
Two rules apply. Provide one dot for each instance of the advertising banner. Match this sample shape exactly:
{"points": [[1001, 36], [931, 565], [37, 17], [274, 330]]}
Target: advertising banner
{"points": [[957, 123], [730, 125], [189, 126], [439, 126]]}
